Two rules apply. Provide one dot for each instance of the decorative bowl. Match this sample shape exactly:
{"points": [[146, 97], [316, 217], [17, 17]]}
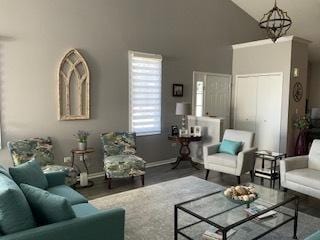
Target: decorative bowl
{"points": [[241, 194]]}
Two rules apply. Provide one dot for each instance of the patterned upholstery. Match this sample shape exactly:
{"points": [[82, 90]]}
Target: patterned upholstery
{"points": [[119, 155], [42, 150]]}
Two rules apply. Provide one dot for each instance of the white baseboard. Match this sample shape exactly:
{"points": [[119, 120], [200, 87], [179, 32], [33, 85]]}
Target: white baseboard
{"points": [[148, 165], [159, 163]]}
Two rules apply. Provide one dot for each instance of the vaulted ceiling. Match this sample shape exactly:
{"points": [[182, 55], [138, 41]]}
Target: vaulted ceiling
{"points": [[305, 15]]}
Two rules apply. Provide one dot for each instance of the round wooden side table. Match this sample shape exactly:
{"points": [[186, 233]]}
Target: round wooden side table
{"points": [[184, 142], [82, 153]]}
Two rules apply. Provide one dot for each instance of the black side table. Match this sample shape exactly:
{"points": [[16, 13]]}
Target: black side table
{"points": [[271, 173]]}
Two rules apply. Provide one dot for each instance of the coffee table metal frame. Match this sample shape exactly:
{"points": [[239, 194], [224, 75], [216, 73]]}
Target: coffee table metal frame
{"points": [[224, 230]]}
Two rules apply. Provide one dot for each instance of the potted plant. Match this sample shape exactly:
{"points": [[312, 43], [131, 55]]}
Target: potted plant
{"points": [[82, 137], [302, 124]]}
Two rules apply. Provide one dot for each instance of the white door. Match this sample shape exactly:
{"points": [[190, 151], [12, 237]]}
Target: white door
{"points": [[269, 112], [212, 95], [245, 103], [258, 108], [218, 96]]}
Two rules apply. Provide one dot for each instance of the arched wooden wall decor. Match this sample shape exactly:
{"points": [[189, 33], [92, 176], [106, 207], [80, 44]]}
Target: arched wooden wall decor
{"points": [[74, 87]]}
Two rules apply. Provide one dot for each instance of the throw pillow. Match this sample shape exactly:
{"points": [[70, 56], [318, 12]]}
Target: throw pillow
{"points": [[47, 207], [29, 173], [15, 212], [230, 147]]}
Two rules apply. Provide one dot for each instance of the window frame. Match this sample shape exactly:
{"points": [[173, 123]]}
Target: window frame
{"points": [[132, 54]]}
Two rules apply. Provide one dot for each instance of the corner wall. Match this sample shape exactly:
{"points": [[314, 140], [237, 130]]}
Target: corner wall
{"points": [[289, 53], [267, 58]]}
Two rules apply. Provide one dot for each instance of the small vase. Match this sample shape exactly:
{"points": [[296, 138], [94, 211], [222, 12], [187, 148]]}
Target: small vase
{"points": [[82, 146], [301, 144]]}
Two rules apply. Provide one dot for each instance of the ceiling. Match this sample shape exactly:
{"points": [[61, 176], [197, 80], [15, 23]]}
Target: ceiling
{"points": [[305, 15]]}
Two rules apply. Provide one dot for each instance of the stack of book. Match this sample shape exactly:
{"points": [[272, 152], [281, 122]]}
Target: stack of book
{"points": [[258, 208], [217, 235]]}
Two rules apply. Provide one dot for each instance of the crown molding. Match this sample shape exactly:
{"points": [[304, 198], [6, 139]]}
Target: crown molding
{"points": [[269, 41]]}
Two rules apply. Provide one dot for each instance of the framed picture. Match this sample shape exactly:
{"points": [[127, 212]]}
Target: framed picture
{"points": [[177, 90], [183, 132], [174, 130], [197, 131], [191, 130]]}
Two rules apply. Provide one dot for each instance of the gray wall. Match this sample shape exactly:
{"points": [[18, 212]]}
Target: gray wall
{"points": [[314, 82], [299, 59], [35, 34]]}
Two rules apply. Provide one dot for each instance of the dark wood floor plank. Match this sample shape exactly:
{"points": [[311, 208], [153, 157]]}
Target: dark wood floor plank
{"points": [[163, 173]]}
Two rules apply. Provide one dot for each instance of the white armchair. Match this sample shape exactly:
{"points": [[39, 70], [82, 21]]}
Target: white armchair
{"points": [[302, 173], [232, 164]]}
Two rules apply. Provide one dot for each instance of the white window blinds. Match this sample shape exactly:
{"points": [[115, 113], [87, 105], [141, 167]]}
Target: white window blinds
{"points": [[145, 74]]}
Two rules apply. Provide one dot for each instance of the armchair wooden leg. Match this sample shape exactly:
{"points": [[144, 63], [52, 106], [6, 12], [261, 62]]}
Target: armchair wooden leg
{"points": [[238, 179], [142, 180], [207, 174], [109, 183]]}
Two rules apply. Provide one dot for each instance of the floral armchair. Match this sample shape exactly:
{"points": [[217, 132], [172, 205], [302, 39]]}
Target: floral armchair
{"points": [[40, 149], [120, 160]]}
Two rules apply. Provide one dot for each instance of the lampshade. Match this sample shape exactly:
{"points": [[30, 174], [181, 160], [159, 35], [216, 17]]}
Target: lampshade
{"points": [[183, 108]]}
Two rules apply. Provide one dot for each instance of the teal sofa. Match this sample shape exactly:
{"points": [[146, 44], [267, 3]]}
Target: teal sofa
{"points": [[89, 223], [315, 236]]}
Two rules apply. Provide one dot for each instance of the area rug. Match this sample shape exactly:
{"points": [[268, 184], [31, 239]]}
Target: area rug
{"points": [[150, 210]]}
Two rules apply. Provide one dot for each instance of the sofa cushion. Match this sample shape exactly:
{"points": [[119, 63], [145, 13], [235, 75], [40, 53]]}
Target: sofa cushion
{"points": [[29, 173], [15, 212], [84, 209], [5, 172], [305, 176], [314, 236], [314, 155], [71, 195], [229, 147], [47, 207], [223, 159]]}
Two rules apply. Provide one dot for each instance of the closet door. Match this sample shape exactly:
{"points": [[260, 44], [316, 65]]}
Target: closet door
{"points": [[245, 103], [268, 117]]}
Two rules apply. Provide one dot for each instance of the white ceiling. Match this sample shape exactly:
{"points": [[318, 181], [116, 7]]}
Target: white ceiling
{"points": [[305, 15]]}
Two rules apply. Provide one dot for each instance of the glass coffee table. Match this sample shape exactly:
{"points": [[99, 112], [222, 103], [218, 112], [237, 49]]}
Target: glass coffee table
{"points": [[214, 212]]}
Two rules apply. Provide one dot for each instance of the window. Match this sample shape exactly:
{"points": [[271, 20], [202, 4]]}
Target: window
{"points": [[145, 76], [199, 98]]}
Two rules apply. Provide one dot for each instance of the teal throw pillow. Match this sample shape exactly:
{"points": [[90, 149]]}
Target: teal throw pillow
{"points": [[230, 147], [47, 207], [15, 212], [29, 173]]}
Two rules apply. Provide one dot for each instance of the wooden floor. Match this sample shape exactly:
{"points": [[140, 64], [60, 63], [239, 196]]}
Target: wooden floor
{"points": [[163, 173]]}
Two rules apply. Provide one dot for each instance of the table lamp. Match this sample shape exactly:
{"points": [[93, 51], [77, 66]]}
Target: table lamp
{"points": [[183, 109]]}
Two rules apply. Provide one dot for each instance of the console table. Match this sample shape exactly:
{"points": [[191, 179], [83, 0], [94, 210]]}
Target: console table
{"points": [[184, 151]]}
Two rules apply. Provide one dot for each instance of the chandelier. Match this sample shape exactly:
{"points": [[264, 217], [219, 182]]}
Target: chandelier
{"points": [[276, 22]]}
